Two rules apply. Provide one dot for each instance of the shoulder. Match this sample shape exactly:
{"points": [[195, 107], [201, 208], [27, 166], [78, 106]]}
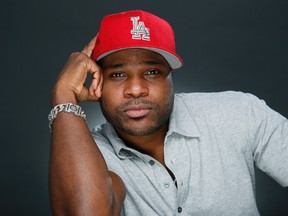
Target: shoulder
{"points": [[216, 97], [228, 100], [229, 106], [99, 135], [102, 140], [108, 144]]}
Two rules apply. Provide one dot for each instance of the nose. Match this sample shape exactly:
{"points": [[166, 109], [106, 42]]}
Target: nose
{"points": [[136, 87]]}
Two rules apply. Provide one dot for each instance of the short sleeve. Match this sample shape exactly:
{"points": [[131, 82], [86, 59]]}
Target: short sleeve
{"points": [[268, 131]]}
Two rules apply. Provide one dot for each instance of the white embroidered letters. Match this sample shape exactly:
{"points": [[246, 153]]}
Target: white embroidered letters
{"points": [[139, 31]]}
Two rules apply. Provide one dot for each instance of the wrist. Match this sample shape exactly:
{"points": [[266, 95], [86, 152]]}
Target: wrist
{"points": [[60, 96], [65, 107]]}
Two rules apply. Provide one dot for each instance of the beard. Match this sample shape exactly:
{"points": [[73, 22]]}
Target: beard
{"points": [[140, 126]]}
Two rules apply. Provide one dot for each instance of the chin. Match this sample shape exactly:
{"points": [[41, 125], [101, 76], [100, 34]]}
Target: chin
{"points": [[140, 127]]}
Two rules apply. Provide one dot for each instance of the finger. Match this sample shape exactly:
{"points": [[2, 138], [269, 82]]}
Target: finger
{"points": [[92, 98], [93, 68], [88, 49], [91, 89], [93, 86], [100, 86], [96, 84]]}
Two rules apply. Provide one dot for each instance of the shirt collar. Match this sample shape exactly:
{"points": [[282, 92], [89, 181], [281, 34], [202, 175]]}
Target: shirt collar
{"points": [[181, 120], [119, 146]]}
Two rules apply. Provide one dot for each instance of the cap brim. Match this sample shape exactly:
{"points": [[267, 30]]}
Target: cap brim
{"points": [[173, 59]]}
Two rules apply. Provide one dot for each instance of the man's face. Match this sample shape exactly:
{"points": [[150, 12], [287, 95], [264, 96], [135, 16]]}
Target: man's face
{"points": [[137, 95]]}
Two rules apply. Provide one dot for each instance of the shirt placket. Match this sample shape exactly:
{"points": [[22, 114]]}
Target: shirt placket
{"points": [[177, 159]]}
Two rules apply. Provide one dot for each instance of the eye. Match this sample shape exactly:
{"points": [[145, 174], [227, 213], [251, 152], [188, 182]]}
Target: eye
{"points": [[152, 72], [117, 75]]}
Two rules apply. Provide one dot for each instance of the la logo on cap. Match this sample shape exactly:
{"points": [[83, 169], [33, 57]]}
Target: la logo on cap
{"points": [[139, 31]]}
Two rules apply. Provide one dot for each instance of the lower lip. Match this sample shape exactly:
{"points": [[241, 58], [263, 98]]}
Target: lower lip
{"points": [[137, 113]]}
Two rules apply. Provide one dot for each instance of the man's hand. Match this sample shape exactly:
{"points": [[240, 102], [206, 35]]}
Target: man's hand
{"points": [[70, 85]]}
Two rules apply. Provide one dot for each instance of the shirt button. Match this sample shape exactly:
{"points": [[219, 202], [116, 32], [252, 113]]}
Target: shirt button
{"points": [[166, 185], [151, 162], [179, 209]]}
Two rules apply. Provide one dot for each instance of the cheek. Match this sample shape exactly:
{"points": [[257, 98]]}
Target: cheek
{"points": [[165, 91], [167, 95], [110, 95]]}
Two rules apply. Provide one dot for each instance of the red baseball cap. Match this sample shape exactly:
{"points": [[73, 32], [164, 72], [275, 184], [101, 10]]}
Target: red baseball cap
{"points": [[136, 29]]}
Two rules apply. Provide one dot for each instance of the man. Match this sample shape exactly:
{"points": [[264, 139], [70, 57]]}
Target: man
{"points": [[158, 153]]}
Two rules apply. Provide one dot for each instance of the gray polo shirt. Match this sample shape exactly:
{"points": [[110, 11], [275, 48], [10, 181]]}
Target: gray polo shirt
{"points": [[213, 142]]}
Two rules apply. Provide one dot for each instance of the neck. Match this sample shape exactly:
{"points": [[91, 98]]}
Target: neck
{"points": [[151, 144]]}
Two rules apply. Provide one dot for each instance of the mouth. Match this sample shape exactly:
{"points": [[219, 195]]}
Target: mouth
{"points": [[137, 111]]}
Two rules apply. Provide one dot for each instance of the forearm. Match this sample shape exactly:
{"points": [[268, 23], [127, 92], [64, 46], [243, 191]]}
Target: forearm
{"points": [[79, 179]]}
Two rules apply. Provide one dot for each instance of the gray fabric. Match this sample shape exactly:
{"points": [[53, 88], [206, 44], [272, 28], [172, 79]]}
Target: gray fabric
{"points": [[213, 141]]}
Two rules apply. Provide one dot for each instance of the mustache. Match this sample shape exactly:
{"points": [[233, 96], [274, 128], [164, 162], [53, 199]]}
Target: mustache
{"points": [[137, 101]]}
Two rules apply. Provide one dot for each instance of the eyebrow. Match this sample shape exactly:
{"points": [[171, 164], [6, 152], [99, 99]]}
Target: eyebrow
{"points": [[146, 63]]}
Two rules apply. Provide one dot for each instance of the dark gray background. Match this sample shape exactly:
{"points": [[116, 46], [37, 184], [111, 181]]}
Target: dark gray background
{"points": [[226, 45]]}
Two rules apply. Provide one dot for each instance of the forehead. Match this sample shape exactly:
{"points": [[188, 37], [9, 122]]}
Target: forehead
{"points": [[134, 56]]}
